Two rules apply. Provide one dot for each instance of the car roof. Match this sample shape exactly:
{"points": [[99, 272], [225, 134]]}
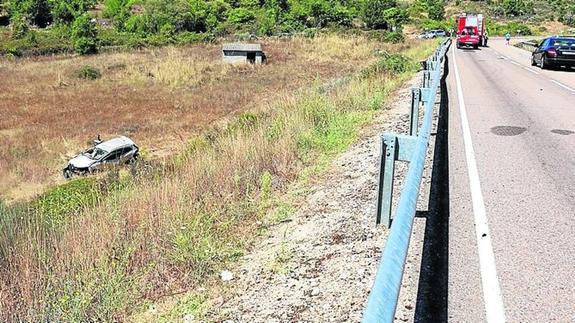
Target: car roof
{"points": [[115, 143]]}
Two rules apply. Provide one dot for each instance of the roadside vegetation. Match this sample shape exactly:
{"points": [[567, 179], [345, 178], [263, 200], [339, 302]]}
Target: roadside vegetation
{"points": [[41, 27], [108, 248], [86, 26]]}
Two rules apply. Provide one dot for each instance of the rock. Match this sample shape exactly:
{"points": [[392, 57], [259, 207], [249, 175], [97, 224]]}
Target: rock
{"points": [[227, 275], [188, 318], [152, 309], [314, 292]]}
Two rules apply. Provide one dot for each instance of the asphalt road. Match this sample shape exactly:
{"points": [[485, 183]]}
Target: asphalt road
{"points": [[511, 187]]}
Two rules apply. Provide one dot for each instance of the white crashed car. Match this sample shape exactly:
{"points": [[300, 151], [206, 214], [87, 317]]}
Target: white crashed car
{"points": [[104, 154]]}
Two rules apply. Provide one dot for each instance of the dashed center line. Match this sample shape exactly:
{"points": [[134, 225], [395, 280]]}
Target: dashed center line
{"points": [[563, 86], [530, 70], [514, 63]]}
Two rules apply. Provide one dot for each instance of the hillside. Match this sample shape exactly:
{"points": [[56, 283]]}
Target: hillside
{"points": [[158, 97], [104, 248], [538, 17]]}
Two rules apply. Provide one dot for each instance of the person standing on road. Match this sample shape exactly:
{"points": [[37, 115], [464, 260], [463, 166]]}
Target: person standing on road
{"points": [[507, 38], [485, 38]]}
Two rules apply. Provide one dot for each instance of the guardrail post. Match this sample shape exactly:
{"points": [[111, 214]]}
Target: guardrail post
{"points": [[415, 100], [386, 174], [426, 76]]}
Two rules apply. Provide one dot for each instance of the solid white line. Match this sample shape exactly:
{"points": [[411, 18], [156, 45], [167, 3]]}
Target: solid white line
{"points": [[530, 70], [514, 62], [563, 86], [492, 297]]}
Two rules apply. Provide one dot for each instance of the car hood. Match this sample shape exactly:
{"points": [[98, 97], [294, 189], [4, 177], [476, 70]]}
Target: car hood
{"points": [[81, 161]]}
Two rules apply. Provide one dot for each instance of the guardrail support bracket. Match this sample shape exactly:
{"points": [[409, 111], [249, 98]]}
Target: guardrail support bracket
{"points": [[425, 94], [414, 115], [393, 147]]}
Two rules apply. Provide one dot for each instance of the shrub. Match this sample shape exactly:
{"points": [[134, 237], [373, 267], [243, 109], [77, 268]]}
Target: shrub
{"points": [[430, 24], [393, 37], [395, 18], [60, 201], [85, 35], [436, 10], [190, 37], [19, 27], [391, 63], [373, 13], [240, 15], [67, 11], [516, 7], [88, 73]]}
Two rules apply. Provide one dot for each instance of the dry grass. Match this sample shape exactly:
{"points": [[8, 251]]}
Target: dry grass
{"points": [[158, 96], [173, 230]]}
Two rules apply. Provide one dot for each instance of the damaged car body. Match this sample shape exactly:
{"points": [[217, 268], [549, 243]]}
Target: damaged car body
{"points": [[104, 155]]}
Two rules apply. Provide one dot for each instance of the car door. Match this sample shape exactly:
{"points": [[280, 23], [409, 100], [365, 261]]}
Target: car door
{"points": [[126, 154], [538, 54], [111, 159]]}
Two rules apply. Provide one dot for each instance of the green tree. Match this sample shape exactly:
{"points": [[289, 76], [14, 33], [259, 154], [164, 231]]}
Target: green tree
{"points": [[436, 9], [373, 13], [395, 18], [85, 35], [66, 11], [516, 7], [37, 12], [175, 15]]}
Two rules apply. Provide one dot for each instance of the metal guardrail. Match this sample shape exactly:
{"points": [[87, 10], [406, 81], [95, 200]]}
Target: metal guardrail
{"points": [[412, 148], [527, 45]]}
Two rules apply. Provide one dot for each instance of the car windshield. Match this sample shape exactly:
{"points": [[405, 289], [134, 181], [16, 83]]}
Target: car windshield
{"points": [[95, 153], [468, 31], [563, 42]]}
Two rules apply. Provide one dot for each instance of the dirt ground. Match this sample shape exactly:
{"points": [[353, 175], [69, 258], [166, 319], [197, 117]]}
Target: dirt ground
{"points": [[159, 97], [319, 265]]}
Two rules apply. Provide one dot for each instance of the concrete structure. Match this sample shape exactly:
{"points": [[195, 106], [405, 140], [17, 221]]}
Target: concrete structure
{"points": [[243, 53]]}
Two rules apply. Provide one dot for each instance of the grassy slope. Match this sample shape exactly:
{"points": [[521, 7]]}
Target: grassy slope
{"points": [[131, 242], [197, 303], [158, 97], [542, 22]]}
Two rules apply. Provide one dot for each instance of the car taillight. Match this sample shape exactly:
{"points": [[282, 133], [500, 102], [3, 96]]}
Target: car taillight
{"points": [[551, 52]]}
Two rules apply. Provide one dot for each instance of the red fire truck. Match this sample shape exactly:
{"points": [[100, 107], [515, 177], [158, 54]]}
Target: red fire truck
{"points": [[471, 31]]}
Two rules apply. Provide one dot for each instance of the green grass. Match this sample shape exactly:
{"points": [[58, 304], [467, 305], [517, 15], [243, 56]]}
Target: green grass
{"points": [[192, 306], [279, 264]]}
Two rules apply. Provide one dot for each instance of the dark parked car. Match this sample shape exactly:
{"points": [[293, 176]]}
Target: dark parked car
{"points": [[555, 52], [104, 154]]}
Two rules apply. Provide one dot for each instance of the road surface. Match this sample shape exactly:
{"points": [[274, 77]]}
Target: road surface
{"points": [[511, 187]]}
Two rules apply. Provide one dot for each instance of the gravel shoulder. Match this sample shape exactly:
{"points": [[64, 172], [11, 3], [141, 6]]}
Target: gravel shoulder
{"points": [[320, 265]]}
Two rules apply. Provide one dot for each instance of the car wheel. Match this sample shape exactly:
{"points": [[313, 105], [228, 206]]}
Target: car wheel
{"points": [[133, 160], [533, 63], [475, 46], [67, 173], [544, 65]]}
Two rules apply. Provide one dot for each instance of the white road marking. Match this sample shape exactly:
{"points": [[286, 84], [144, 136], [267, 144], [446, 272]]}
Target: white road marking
{"points": [[492, 297], [514, 63], [563, 86], [531, 70]]}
